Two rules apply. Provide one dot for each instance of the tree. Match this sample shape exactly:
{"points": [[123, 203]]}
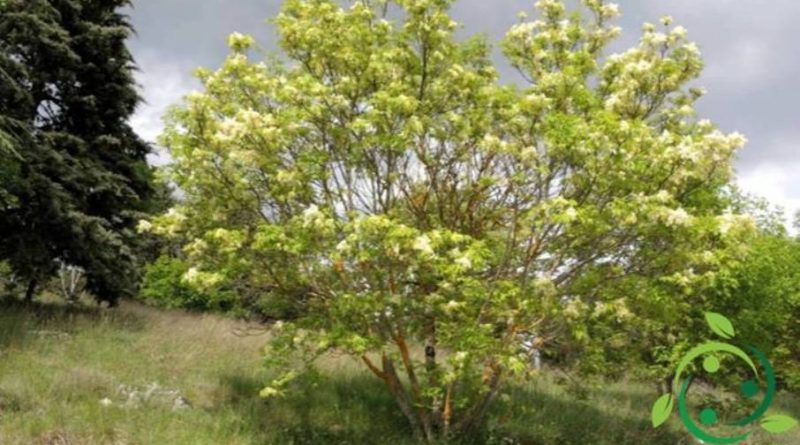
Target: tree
{"points": [[82, 177], [761, 293], [421, 215]]}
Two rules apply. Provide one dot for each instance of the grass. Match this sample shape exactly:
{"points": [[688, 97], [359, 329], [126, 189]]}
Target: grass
{"points": [[59, 363]]}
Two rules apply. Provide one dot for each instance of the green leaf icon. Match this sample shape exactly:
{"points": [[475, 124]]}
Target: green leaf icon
{"points": [[661, 410], [720, 325], [778, 424]]}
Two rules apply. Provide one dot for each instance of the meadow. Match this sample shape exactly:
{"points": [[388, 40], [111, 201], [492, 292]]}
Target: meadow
{"points": [[75, 374]]}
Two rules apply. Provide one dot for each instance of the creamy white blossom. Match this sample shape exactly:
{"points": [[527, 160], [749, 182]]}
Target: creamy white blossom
{"points": [[228, 130], [144, 226], [423, 244], [238, 41], [191, 275], [609, 10], [679, 31], [464, 262], [692, 48], [312, 215], [678, 217]]}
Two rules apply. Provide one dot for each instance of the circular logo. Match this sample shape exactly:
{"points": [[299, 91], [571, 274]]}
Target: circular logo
{"points": [[711, 353]]}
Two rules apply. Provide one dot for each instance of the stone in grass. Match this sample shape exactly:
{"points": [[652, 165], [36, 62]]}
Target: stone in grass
{"points": [[153, 394], [180, 404]]}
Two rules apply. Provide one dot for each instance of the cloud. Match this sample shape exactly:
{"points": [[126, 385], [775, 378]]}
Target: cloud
{"points": [[161, 84], [778, 184], [747, 63], [774, 177], [744, 42]]}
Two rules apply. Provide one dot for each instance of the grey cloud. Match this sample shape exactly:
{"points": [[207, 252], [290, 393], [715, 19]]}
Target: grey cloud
{"points": [[192, 33]]}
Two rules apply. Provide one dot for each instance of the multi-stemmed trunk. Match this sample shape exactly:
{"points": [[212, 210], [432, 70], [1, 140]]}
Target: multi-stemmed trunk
{"points": [[432, 418]]}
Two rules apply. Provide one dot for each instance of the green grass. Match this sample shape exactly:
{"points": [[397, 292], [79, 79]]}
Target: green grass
{"points": [[57, 363]]}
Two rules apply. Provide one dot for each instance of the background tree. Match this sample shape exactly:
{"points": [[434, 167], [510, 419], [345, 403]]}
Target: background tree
{"points": [[761, 293], [81, 170], [420, 216]]}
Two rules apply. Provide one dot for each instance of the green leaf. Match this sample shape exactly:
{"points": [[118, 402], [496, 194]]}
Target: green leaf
{"points": [[720, 325], [661, 410], [778, 423]]}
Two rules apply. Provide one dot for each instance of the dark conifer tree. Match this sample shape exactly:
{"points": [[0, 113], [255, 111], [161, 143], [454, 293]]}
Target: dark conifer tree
{"points": [[79, 178]]}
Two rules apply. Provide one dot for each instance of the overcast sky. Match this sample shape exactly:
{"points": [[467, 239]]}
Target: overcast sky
{"points": [[751, 49]]}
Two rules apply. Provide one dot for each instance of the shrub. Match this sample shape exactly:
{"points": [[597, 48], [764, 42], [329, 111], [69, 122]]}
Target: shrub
{"points": [[164, 285]]}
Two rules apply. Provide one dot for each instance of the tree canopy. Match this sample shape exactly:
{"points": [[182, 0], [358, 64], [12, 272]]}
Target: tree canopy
{"points": [[421, 215], [74, 173]]}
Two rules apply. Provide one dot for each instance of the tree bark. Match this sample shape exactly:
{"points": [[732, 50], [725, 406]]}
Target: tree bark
{"points": [[396, 388], [431, 369], [448, 410], [665, 385], [389, 376], [415, 387], [31, 290], [478, 411]]}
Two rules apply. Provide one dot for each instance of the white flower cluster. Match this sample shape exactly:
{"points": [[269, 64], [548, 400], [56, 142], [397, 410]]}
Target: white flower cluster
{"points": [[688, 150], [677, 217], [719, 146], [240, 42], [249, 117], [313, 217], [692, 48], [144, 226], [461, 258], [422, 243], [609, 11], [168, 224], [728, 221], [229, 130], [550, 6], [202, 280]]}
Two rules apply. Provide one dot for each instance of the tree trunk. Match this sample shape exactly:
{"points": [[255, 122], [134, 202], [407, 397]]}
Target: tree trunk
{"points": [[664, 386], [448, 411], [477, 413], [389, 376], [431, 369], [396, 388], [424, 418], [29, 293]]}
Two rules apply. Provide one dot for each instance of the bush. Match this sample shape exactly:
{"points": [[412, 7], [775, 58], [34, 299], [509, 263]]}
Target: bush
{"points": [[163, 286]]}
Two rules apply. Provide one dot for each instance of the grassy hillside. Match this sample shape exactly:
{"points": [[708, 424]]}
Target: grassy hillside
{"points": [[137, 375]]}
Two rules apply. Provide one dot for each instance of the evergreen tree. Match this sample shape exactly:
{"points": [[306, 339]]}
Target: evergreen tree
{"points": [[82, 178]]}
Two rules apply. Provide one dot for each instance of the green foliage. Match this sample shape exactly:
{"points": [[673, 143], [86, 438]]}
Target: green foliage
{"points": [[392, 190], [163, 286], [762, 296], [74, 175]]}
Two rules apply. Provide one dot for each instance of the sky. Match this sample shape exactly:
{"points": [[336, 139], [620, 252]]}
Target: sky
{"points": [[751, 49]]}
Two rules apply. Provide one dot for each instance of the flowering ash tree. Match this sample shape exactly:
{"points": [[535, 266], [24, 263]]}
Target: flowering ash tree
{"points": [[421, 215]]}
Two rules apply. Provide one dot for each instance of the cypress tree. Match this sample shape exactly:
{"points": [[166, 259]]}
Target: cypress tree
{"points": [[78, 177]]}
